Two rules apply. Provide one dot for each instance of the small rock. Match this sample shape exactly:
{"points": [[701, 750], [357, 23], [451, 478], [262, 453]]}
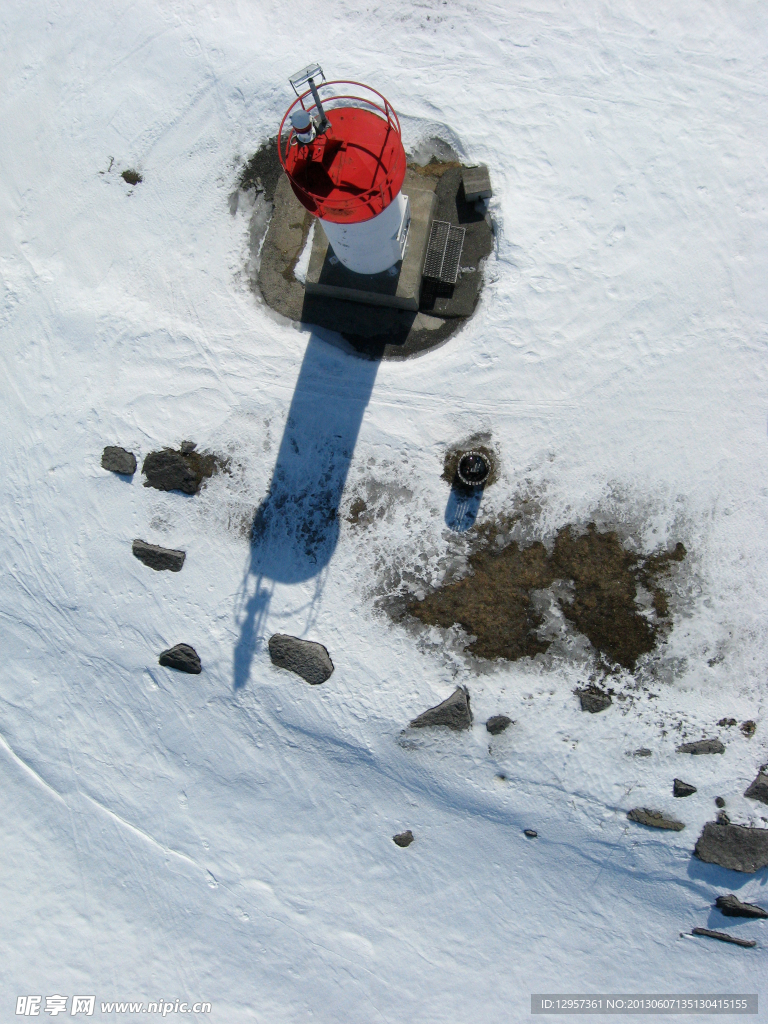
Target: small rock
{"points": [[701, 747], [722, 818], [454, 712], [643, 752], [594, 700], [731, 906], [727, 722], [531, 833], [758, 790], [719, 801], [306, 658], [680, 788], [655, 819], [186, 447], [403, 838], [182, 657], [733, 846], [118, 460], [724, 937], [497, 724], [169, 470], [158, 558], [748, 728]]}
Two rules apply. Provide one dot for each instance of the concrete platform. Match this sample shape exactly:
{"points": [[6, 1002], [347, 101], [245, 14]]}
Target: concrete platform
{"points": [[399, 290]]}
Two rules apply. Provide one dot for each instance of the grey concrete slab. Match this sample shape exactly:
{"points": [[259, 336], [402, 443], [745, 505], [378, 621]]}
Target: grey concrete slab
{"points": [[396, 288], [477, 183]]}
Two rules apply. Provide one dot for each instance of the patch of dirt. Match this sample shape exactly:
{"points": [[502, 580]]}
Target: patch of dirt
{"points": [[263, 170], [497, 603], [132, 177]]}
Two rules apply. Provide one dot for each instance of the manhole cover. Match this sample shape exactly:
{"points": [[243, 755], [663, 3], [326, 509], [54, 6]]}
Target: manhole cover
{"points": [[474, 469]]}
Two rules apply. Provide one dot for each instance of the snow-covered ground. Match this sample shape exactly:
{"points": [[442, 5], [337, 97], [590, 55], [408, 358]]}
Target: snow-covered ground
{"points": [[227, 837]]}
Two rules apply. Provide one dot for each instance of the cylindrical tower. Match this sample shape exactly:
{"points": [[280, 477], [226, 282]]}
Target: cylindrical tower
{"points": [[345, 160]]}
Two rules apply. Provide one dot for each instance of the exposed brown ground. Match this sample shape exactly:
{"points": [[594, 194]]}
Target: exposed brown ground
{"points": [[495, 603]]}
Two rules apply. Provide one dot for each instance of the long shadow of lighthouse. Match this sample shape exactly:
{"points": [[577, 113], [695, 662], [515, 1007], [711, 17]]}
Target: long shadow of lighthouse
{"points": [[296, 527]]}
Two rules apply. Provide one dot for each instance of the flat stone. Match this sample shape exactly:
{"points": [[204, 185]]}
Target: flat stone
{"points": [[477, 183], [701, 747], [453, 712], [643, 752], [306, 658], [118, 460], [403, 838], [724, 937], [181, 657], [733, 846], [654, 819], [731, 906], [158, 558], [170, 470], [680, 788], [497, 724], [594, 700], [758, 790], [531, 833]]}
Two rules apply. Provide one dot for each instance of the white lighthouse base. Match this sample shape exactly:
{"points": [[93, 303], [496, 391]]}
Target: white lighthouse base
{"points": [[396, 286], [371, 246]]}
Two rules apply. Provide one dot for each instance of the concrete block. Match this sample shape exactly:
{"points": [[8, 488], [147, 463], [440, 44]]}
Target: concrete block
{"points": [[477, 183]]}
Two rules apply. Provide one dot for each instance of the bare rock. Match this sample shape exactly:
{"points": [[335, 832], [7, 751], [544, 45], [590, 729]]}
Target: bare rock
{"points": [[655, 819], [719, 801], [118, 460], [304, 657], [724, 937], [183, 470], [643, 752], [701, 747], [733, 846], [158, 558], [497, 724], [594, 700], [748, 728], [731, 906], [531, 833], [181, 657], [403, 838], [758, 790], [680, 788], [454, 712]]}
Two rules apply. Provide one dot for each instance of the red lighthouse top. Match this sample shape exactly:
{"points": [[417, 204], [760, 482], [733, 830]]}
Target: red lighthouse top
{"points": [[354, 166]]}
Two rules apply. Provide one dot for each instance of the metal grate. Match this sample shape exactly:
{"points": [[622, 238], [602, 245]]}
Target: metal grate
{"points": [[444, 252]]}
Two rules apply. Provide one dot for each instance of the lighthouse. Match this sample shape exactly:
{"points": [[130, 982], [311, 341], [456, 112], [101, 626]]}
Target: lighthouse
{"points": [[346, 164]]}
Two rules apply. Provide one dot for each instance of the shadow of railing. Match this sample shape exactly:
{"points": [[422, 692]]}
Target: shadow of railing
{"points": [[296, 527]]}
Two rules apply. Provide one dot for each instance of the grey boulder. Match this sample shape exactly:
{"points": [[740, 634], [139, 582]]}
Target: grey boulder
{"points": [[680, 788], [403, 839], [181, 657], [758, 790], [497, 724], [453, 712], [158, 558], [654, 819], [701, 747], [731, 906], [304, 657], [118, 460], [594, 700], [733, 846]]}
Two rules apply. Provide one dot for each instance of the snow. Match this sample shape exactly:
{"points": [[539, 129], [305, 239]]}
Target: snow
{"points": [[227, 837]]}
